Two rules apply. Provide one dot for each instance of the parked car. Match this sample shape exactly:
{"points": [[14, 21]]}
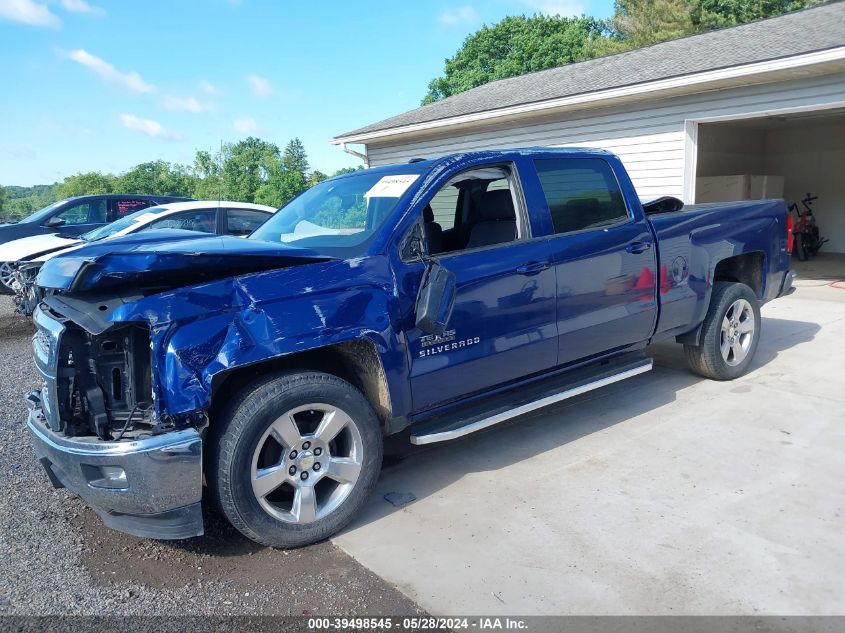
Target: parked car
{"points": [[28, 254], [438, 298], [72, 216]]}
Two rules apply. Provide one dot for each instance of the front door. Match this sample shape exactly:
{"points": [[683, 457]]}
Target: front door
{"points": [[502, 327]]}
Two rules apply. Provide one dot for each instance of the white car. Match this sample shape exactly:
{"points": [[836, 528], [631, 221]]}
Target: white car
{"points": [[25, 256]]}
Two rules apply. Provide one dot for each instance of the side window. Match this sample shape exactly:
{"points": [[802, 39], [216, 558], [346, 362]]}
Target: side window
{"points": [[244, 221], [475, 209], [582, 193], [204, 221], [88, 212], [444, 206], [121, 207]]}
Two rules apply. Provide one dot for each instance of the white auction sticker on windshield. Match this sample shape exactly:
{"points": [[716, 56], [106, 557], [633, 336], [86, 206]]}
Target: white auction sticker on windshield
{"points": [[391, 186]]}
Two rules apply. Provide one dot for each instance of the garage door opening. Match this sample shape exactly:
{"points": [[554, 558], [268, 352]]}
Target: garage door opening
{"points": [[781, 156]]}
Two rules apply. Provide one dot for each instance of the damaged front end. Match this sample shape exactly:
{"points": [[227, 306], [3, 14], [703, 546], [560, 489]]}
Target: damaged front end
{"points": [[96, 433]]}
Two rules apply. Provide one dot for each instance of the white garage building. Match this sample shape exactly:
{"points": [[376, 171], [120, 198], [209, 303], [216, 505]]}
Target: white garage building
{"points": [[766, 98]]}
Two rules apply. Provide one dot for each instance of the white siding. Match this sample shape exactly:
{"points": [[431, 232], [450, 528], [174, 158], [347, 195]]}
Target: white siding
{"points": [[648, 137]]}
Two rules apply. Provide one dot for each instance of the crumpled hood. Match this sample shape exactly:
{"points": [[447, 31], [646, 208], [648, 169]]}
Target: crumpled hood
{"points": [[169, 258]]}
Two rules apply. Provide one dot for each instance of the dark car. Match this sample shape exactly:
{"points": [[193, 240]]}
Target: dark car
{"points": [[74, 216]]}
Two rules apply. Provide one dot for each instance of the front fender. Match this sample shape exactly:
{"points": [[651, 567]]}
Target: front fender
{"points": [[201, 331]]}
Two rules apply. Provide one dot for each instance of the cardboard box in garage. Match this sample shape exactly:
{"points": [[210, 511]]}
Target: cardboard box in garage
{"points": [[739, 187]]}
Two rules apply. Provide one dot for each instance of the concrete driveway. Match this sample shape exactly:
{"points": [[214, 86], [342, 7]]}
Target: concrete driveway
{"points": [[664, 494]]}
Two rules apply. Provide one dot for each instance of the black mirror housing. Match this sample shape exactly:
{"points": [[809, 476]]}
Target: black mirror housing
{"points": [[54, 222], [436, 299]]}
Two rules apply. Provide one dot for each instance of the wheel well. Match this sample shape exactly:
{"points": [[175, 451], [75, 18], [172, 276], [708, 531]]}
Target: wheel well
{"points": [[356, 362], [746, 268]]}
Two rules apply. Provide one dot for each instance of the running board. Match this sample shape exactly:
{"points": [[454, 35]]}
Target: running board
{"points": [[443, 431]]}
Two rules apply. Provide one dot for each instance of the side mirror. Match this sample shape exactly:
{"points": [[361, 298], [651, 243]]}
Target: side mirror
{"points": [[54, 222], [436, 299]]}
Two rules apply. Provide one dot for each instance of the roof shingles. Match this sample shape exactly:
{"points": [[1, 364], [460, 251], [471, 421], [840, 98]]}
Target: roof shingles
{"points": [[795, 33]]}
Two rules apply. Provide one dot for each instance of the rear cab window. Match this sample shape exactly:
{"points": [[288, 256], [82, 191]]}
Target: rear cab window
{"points": [[582, 193]]}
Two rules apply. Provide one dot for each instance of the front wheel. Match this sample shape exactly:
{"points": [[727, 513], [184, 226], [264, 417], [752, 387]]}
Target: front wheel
{"points": [[294, 458], [730, 333]]}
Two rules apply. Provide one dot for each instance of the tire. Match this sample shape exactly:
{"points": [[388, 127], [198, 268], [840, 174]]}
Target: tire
{"points": [[733, 309], [254, 447], [6, 272], [800, 248]]}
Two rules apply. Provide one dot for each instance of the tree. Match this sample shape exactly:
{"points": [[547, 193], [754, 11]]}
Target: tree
{"points": [[2, 199], [157, 177], [316, 177], [247, 165], [86, 183], [519, 44], [706, 15], [638, 23], [514, 46], [295, 158]]}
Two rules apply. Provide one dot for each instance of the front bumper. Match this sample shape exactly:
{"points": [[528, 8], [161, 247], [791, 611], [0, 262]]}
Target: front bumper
{"points": [[158, 493]]}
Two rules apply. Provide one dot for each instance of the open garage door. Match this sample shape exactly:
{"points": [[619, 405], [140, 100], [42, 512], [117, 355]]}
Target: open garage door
{"points": [[796, 153]]}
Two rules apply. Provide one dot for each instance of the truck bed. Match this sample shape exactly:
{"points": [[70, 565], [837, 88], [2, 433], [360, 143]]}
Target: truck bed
{"points": [[690, 240]]}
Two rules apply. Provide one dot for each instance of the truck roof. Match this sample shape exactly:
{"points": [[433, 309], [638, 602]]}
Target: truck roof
{"points": [[424, 164]]}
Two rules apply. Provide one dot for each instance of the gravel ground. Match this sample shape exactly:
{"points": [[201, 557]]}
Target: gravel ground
{"points": [[57, 558]]}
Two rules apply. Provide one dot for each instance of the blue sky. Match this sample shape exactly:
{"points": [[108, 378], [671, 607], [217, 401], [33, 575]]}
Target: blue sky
{"points": [[106, 84]]}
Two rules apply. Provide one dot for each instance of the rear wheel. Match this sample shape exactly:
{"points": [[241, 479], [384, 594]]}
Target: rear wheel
{"points": [[730, 333], [295, 458], [800, 247]]}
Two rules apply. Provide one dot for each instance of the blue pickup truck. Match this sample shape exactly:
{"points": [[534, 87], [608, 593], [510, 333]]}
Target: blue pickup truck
{"points": [[434, 298]]}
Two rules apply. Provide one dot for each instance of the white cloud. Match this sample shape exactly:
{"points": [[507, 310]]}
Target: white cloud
{"points": [[28, 12], [81, 6], [184, 104], [129, 80], [208, 88], [563, 8], [148, 127], [260, 86], [451, 17], [245, 125]]}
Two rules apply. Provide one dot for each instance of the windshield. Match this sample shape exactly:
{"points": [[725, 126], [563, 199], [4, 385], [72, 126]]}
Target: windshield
{"points": [[41, 214], [139, 217], [338, 216]]}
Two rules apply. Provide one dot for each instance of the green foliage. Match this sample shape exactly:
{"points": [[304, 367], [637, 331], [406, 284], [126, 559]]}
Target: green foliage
{"points": [[85, 183], [514, 46], [251, 170], [520, 44], [706, 15], [157, 177], [21, 201]]}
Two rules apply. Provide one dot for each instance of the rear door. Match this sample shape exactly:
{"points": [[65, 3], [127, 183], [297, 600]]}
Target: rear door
{"points": [[502, 327], [604, 259]]}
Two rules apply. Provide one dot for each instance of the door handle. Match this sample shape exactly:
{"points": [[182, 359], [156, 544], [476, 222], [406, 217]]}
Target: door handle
{"points": [[532, 268], [638, 247]]}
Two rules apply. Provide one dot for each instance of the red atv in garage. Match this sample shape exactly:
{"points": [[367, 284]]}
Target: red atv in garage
{"points": [[807, 239]]}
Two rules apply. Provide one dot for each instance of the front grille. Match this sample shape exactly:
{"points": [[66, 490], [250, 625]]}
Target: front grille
{"points": [[92, 382]]}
